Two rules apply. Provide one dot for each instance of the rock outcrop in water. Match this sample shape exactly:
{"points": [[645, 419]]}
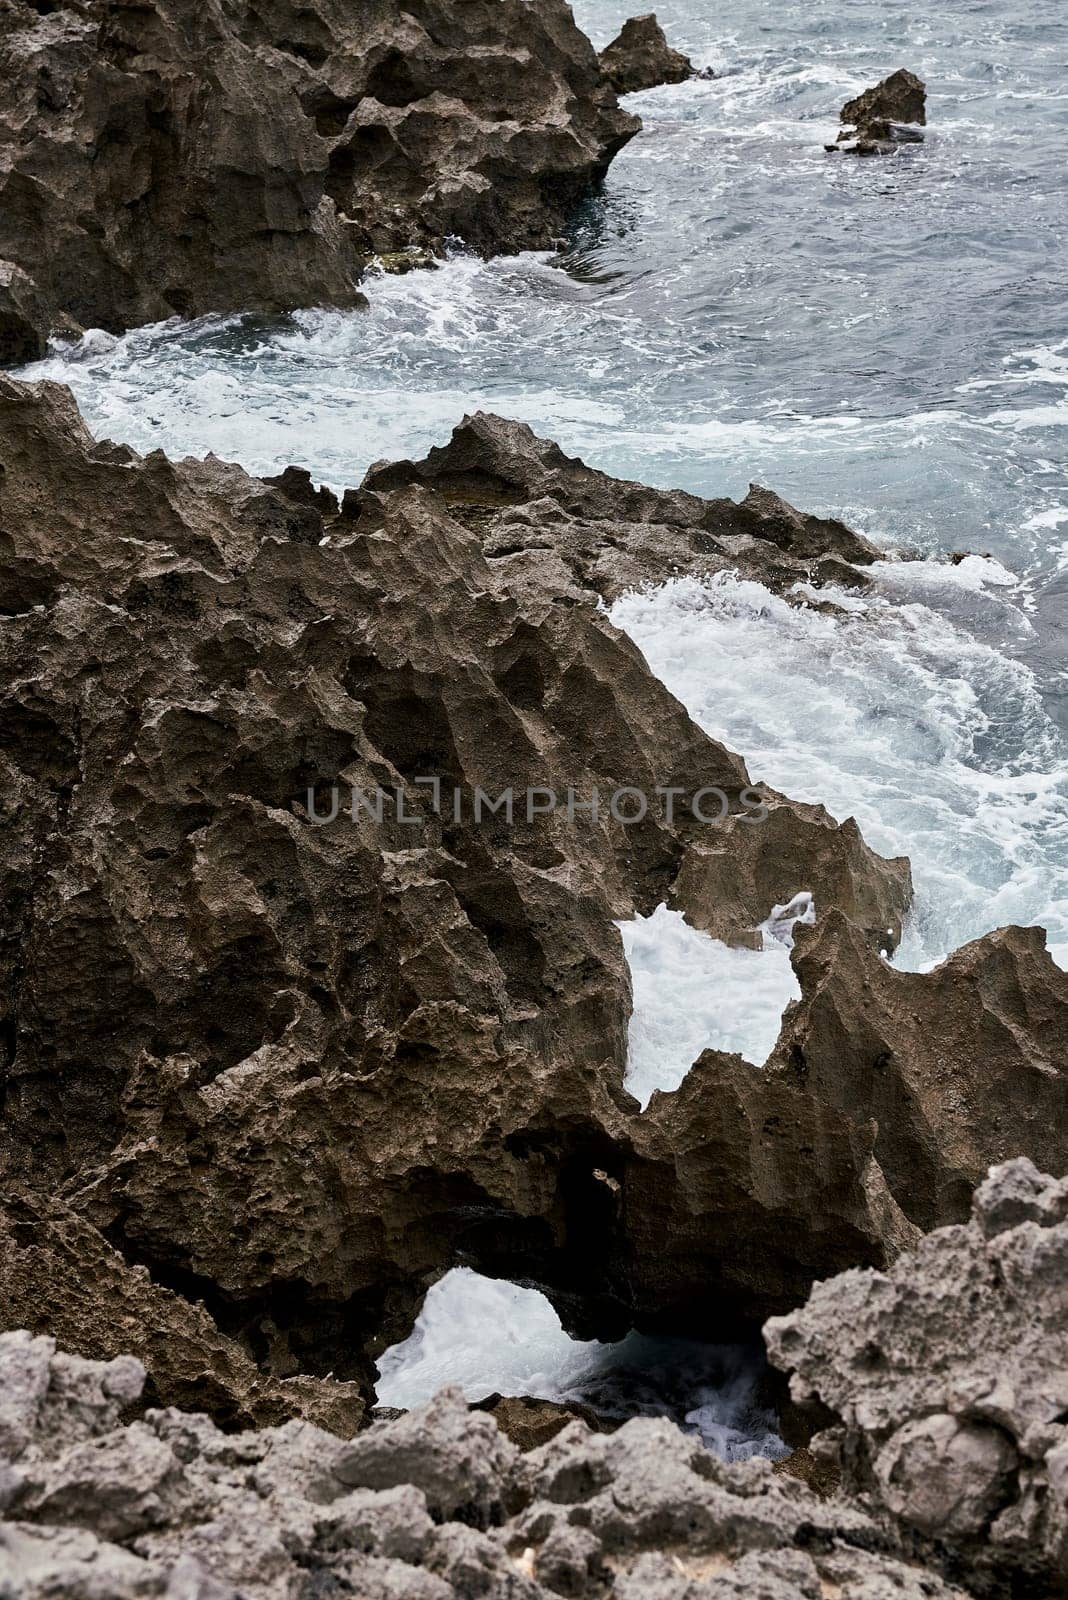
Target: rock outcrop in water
{"points": [[171, 157], [434, 1506], [948, 1383], [641, 58], [294, 1065], [881, 118]]}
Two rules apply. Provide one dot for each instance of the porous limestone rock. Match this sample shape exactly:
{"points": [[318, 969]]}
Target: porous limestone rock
{"points": [[902, 97], [297, 1069], [641, 58], [948, 1380], [961, 1068], [177, 156], [89, 1297], [432, 1507], [296, 1065]]}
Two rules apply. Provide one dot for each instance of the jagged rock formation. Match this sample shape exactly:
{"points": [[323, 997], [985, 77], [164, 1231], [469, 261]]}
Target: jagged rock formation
{"points": [[641, 58], [948, 1379], [881, 118], [180, 157], [961, 1068], [296, 1068], [523, 495], [88, 1296], [436, 1505], [213, 1004]]}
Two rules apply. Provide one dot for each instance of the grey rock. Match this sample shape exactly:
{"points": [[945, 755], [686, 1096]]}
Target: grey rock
{"points": [[457, 1458], [949, 1379], [645, 1512]]}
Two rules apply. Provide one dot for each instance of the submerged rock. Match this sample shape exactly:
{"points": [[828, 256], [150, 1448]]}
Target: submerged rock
{"points": [[163, 158], [888, 115], [641, 58], [948, 1378]]}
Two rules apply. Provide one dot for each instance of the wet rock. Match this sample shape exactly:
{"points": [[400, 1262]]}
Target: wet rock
{"points": [[645, 1511], [883, 117], [902, 97], [160, 159], [641, 58], [526, 499], [948, 1377]]}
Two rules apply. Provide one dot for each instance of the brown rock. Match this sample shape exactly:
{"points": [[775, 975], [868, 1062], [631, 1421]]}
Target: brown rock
{"points": [[162, 158], [882, 118], [22, 317], [59, 1276], [902, 97], [959, 1068], [641, 58], [213, 1006], [525, 498], [296, 1069], [529, 1423]]}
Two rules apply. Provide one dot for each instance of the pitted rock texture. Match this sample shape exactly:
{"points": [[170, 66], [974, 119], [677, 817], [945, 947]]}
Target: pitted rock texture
{"points": [[949, 1377], [523, 496], [178, 156], [641, 58], [87, 1295], [961, 1068], [902, 97], [297, 1068], [436, 1506]]}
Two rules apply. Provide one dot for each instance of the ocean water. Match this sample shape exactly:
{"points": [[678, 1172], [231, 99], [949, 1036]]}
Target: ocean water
{"points": [[709, 1389], [885, 341]]}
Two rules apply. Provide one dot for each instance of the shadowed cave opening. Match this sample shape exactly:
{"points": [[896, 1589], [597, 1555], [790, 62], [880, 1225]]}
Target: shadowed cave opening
{"points": [[494, 1337]]}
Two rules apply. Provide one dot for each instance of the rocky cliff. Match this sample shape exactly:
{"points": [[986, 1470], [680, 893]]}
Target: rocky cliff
{"points": [[175, 156], [945, 1380], [270, 1070]]}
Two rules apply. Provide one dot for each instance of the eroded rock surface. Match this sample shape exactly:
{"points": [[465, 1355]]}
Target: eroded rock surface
{"points": [[436, 1505], [56, 1269], [523, 496], [297, 1070], [949, 1379], [297, 1063], [178, 157], [641, 58]]}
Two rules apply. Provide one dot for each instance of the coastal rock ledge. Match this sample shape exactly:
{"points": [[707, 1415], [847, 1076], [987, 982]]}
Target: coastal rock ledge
{"points": [[270, 1070], [173, 157]]}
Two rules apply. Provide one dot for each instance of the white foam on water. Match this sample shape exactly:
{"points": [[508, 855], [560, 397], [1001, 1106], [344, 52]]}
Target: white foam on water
{"points": [[693, 993], [936, 741], [490, 1337]]}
